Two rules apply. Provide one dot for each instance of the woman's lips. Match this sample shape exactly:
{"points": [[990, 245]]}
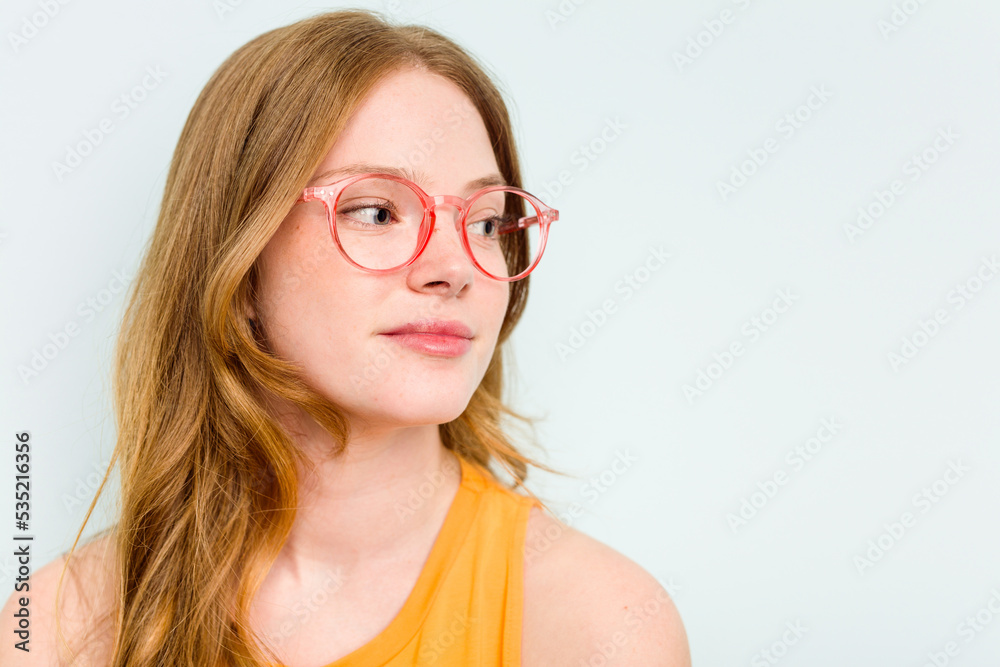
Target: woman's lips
{"points": [[434, 344]]}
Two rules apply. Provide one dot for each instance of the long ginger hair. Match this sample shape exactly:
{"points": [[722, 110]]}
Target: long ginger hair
{"points": [[208, 477]]}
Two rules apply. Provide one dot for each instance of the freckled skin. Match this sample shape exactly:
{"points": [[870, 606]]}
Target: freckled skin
{"points": [[328, 320]]}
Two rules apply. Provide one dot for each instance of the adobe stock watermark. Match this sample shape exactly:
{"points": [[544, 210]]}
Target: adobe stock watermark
{"points": [[629, 285], [432, 649], [378, 364], [927, 329], [900, 16], [419, 496], [923, 500], [33, 24], [968, 629], [712, 30], [796, 458], [597, 486], [87, 310], [8, 570], [591, 490], [778, 649], [121, 108], [752, 330], [883, 200], [670, 586], [562, 12], [584, 155], [786, 127], [636, 616], [223, 7], [86, 487], [302, 610]]}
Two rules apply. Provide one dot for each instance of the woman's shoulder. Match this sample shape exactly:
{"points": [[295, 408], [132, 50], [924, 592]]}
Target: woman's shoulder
{"points": [[85, 600], [584, 599]]}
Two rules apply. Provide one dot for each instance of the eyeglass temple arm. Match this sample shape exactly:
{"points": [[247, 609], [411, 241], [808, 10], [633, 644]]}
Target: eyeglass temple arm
{"points": [[522, 223]]}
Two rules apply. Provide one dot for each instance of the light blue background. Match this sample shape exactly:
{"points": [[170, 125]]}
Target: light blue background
{"points": [[684, 465]]}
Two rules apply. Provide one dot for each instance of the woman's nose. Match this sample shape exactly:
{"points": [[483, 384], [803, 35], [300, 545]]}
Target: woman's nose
{"points": [[446, 229], [444, 259]]}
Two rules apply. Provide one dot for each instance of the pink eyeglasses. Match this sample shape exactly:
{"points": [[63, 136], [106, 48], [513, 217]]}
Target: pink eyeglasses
{"points": [[382, 222]]}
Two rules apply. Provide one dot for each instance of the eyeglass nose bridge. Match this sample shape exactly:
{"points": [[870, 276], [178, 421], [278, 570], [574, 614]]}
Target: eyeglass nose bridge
{"points": [[431, 204], [454, 201]]}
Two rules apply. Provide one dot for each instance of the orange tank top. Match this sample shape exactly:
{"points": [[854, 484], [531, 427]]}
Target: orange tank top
{"points": [[466, 607]]}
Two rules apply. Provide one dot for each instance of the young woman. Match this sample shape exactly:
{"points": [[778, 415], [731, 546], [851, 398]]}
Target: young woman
{"points": [[308, 391]]}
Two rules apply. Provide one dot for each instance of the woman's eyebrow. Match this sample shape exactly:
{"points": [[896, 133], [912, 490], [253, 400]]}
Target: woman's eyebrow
{"points": [[404, 172], [485, 182]]}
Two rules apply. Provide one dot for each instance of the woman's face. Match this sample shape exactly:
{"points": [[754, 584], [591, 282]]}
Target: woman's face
{"points": [[330, 317]]}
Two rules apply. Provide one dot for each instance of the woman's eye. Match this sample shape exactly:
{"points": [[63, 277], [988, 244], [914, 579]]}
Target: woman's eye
{"points": [[377, 216], [486, 227]]}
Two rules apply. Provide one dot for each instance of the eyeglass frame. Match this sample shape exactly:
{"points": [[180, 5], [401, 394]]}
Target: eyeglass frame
{"points": [[330, 196]]}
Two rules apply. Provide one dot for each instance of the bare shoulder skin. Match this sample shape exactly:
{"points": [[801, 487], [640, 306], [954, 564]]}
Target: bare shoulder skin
{"points": [[85, 598], [583, 600]]}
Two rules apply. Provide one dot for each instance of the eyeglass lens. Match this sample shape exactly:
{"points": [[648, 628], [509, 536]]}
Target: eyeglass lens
{"points": [[378, 222]]}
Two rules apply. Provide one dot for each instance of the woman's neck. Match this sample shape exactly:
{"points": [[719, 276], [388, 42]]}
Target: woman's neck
{"points": [[386, 495]]}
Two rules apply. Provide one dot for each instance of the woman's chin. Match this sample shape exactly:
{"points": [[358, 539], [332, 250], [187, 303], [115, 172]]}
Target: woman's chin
{"points": [[422, 414], [418, 405]]}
